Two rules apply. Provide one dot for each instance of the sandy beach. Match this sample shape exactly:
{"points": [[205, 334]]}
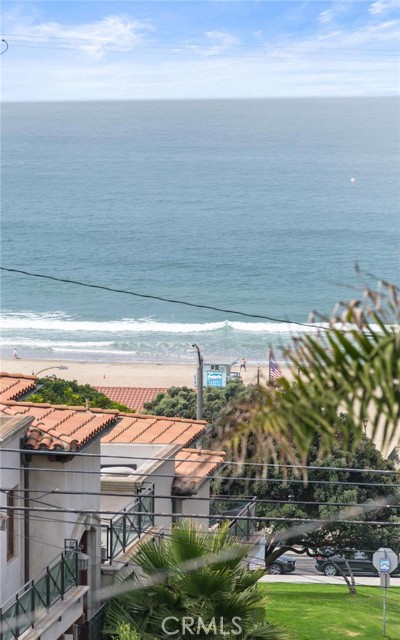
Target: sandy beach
{"points": [[113, 374]]}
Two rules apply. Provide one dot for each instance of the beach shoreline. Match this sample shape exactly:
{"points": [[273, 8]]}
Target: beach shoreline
{"points": [[122, 374]]}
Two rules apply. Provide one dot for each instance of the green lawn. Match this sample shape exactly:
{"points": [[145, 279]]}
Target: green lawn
{"points": [[328, 612]]}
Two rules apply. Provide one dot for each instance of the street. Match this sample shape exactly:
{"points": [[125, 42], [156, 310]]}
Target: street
{"points": [[306, 573]]}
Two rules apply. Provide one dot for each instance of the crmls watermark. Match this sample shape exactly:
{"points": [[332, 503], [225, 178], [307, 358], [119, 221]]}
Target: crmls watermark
{"points": [[194, 626]]}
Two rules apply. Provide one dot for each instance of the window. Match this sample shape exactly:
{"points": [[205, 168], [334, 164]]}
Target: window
{"points": [[10, 525], [215, 367]]}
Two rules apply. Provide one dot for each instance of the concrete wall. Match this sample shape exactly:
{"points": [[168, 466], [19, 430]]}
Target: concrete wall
{"points": [[67, 486], [12, 570], [194, 507], [158, 472]]}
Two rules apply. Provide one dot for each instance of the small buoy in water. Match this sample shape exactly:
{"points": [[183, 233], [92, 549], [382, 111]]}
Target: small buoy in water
{"points": [[352, 180]]}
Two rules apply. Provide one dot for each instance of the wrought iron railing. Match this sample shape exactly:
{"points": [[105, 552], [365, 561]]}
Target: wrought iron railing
{"points": [[92, 629], [20, 612], [241, 515], [123, 529]]}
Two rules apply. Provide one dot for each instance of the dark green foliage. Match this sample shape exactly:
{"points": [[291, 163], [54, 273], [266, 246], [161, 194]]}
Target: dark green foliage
{"points": [[291, 489], [69, 392], [182, 401]]}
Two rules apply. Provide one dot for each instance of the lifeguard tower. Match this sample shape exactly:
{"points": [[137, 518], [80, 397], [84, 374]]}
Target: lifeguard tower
{"points": [[217, 370]]}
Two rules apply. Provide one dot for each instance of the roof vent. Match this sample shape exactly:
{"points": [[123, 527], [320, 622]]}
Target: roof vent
{"points": [[118, 471]]}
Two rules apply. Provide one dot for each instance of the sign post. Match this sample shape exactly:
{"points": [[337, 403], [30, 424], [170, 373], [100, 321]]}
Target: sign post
{"points": [[385, 561]]}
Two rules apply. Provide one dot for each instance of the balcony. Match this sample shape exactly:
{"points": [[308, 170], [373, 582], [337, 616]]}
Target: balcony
{"points": [[38, 596], [127, 526], [241, 515]]}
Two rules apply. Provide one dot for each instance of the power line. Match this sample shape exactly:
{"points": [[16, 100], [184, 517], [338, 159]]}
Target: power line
{"points": [[284, 57], [195, 49], [162, 299], [249, 480], [217, 497], [176, 458], [260, 519], [239, 45], [171, 475]]}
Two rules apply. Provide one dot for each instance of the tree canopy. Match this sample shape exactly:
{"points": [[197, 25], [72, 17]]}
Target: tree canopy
{"points": [[182, 401], [344, 487], [69, 392]]}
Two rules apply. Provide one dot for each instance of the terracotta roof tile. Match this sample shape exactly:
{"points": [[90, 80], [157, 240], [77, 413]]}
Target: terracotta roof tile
{"points": [[70, 427], [59, 427], [132, 397], [13, 387], [144, 429], [193, 467]]}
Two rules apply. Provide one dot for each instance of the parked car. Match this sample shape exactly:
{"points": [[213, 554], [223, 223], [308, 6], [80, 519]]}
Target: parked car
{"points": [[283, 564], [360, 564]]}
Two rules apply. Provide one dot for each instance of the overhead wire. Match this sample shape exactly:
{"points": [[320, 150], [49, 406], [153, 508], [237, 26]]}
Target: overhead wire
{"points": [[222, 517], [245, 51], [161, 298], [168, 535], [216, 497], [170, 475], [133, 457], [274, 465], [239, 45], [284, 57]]}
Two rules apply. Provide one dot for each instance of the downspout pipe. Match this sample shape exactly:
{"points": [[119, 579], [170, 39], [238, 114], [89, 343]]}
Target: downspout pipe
{"points": [[25, 463]]}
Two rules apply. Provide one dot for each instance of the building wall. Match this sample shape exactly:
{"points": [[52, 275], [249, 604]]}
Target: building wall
{"points": [[162, 492], [11, 570], [194, 507], [158, 472], [73, 485]]}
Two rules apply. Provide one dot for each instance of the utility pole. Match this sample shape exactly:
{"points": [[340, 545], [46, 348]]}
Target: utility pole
{"points": [[199, 383]]}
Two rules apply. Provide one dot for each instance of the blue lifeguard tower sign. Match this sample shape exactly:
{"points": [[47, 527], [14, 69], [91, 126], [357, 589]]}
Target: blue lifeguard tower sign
{"points": [[217, 371]]}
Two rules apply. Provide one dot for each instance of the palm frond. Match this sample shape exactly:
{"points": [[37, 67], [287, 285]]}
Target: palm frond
{"points": [[352, 367]]}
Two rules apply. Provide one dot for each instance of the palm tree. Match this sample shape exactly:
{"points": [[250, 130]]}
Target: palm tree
{"points": [[352, 366], [193, 579]]}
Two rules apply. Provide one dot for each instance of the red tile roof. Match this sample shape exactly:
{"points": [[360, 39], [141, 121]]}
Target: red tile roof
{"points": [[132, 397], [192, 468], [60, 427], [64, 427], [146, 429], [13, 387]]}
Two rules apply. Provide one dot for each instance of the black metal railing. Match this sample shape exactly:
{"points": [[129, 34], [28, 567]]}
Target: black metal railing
{"points": [[20, 612], [92, 629], [123, 529], [241, 515]]}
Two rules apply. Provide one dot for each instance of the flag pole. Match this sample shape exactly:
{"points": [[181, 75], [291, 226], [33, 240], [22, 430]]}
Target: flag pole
{"points": [[269, 365]]}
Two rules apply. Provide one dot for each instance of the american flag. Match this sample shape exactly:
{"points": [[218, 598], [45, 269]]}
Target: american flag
{"points": [[274, 370]]}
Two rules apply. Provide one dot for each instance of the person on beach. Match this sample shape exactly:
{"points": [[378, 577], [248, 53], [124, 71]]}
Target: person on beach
{"points": [[242, 364], [16, 356]]}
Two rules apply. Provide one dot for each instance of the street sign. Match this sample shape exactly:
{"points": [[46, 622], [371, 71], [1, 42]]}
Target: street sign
{"points": [[384, 565], [385, 560]]}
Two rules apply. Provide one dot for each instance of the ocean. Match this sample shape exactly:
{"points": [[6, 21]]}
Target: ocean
{"points": [[255, 206]]}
